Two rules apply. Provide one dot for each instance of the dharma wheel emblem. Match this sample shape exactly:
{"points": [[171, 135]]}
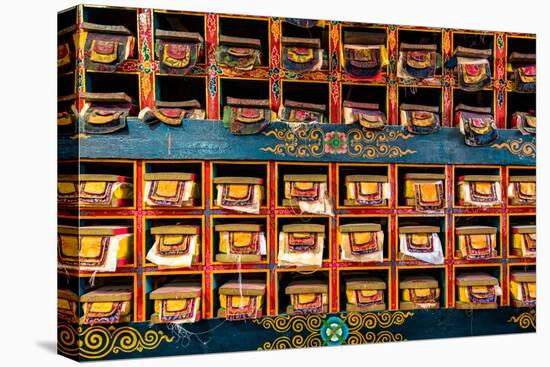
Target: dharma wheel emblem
{"points": [[334, 331]]}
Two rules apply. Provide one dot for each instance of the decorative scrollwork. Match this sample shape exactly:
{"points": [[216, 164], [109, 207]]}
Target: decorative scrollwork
{"points": [[96, 342], [523, 149], [306, 141], [296, 323], [525, 320], [346, 328], [371, 320]]}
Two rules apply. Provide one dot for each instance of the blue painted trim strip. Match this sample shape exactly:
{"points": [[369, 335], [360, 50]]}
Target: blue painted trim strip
{"points": [[320, 142]]}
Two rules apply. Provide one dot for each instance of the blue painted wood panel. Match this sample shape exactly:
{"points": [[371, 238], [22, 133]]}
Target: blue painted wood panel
{"points": [[319, 142]]}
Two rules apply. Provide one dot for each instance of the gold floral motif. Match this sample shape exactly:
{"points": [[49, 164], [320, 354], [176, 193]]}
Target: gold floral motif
{"points": [[275, 28], [523, 149], [96, 342], [525, 320]]}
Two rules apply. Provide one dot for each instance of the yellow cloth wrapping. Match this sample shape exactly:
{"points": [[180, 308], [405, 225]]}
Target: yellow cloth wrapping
{"points": [[436, 256], [367, 188], [106, 306], [346, 253], [175, 305], [110, 193], [464, 291], [420, 292], [352, 298], [183, 260], [384, 60], [304, 298], [86, 252], [321, 205], [241, 191], [483, 187], [527, 191], [242, 301], [519, 244], [309, 258], [517, 291], [478, 242], [169, 193], [241, 239]]}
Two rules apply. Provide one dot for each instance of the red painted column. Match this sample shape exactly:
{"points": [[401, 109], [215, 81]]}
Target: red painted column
{"points": [[213, 86], [447, 92], [146, 65], [334, 73], [275, 64], [500, 80], [393, 90]]}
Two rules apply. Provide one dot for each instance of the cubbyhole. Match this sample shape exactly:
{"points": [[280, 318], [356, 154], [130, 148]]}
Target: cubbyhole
{"points": [[303, 219], [153, 282], [494, 271], [365, 94], [66, 84], [67, 167], [298, 169], [467, 171], [88, 222], [96, 221], [183, 220], [180, 167], [86, 284], [522, 45], [478, 220], [520, 220], [66, 18], [248, 89], [113, 16], [479, 41], [402, 171], [363, 29], [307, 93], [321, 33], [284, 278], [357, 219], [421, 38], [346, 275], [219, 279], [435, 272], [521, 268], [282, 221], [248, 28], [344, 170], [71, 284], [175, 89], [215, 235], [519, 102], [114, 83], [427, 96], [437, 221], [248, 169], [108, 168], [521, 171], [181, 23], [481, 98]]}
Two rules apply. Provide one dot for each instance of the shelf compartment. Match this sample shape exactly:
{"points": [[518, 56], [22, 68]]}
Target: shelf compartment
{"points": [[225, 257], [170, 220]]}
